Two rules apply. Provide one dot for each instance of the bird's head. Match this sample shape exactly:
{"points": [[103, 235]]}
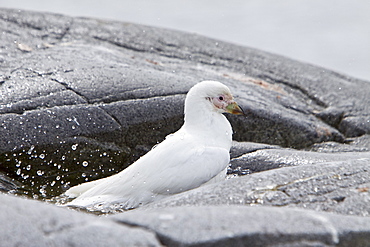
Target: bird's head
{"points": [[218, 96]]}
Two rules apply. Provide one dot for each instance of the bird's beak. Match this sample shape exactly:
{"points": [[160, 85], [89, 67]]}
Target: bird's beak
{"points": [[233, 108]]}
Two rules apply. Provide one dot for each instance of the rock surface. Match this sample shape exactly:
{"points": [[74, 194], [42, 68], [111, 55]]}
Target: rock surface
{"points": [[83, 98], [334, 186], [31, 223], [249, 226]]}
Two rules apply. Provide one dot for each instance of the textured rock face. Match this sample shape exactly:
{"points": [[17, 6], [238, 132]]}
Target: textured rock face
{"points": [[31, 223], [332, 186], [82, 99], [241, 226]]}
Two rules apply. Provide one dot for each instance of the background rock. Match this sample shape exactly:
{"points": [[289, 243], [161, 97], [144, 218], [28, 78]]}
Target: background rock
{"points": [[7, 184], [85, 87], [82, 99], [265, 159]]}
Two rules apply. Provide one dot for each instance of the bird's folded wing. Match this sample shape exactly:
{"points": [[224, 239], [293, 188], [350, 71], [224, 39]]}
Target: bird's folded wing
{"points": [[190, 169], [77, 190], [172, 167]]}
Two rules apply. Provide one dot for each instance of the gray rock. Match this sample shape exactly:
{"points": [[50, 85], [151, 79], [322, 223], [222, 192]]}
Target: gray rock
{"points": [[31, 223], [265, 159], [355, 126], [358, 144], [81, 99], [230, 225], [241, 148], [340, 186], [116, 89], [8, 185]]}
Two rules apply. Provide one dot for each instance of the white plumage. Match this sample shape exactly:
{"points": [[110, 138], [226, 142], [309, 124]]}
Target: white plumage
{"points": [[197, 153]]}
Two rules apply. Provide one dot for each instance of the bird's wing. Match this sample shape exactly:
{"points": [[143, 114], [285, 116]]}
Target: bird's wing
{"points": [[190, 169], [177, 164], [77, 190]]}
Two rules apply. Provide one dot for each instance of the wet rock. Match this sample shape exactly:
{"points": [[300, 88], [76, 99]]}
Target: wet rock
{"points": [[8, 185], [120, 87]]}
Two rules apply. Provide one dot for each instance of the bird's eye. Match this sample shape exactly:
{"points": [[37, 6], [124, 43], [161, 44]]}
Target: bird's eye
{"points": [[221, 98]]}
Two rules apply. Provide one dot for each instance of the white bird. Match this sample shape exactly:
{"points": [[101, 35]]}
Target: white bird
{"points": [[197, 153]]}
